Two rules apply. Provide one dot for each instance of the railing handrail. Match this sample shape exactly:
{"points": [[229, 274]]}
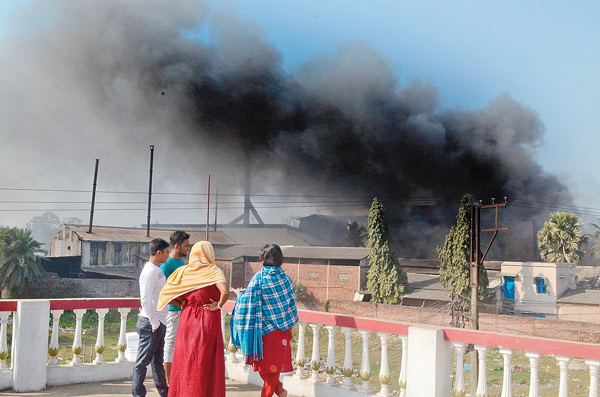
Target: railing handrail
{"points": [[526, 343], [8, 305], [94, 303]]}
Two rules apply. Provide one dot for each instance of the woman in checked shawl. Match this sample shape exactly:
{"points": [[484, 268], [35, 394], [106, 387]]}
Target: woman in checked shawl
{"points": [[262, 321]]}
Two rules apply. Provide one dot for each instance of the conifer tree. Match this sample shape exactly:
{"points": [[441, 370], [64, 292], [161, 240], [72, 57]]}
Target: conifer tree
{"points": [[455, 265], [386, 281]]}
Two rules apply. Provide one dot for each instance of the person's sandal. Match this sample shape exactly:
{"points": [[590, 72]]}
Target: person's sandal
{"points": [[283, 394]]}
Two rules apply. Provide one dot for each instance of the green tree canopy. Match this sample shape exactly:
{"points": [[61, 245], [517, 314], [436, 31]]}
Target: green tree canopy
{"points": [[19, 262], [561, 238], [386, 281], [454, 258]]}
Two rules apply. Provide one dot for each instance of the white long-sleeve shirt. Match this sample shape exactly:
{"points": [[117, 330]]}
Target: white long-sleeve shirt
{"points": [[152, 279]]}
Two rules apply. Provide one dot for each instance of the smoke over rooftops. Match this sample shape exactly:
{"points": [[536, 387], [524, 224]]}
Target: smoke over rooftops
{"points": [[115, 73]]}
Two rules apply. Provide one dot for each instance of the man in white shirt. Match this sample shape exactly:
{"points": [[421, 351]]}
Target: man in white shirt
{"points": [[151, 324]]}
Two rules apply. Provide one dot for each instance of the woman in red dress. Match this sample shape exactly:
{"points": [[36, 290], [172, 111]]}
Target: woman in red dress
{"points": [[198, 361], [263, 319]]}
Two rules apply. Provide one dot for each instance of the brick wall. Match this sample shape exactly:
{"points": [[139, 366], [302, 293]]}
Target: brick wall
{"points": [[557, 329], [343, 280]]}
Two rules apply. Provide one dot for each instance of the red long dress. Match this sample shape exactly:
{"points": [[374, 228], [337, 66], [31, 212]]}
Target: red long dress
{"points": [[199, 361]]}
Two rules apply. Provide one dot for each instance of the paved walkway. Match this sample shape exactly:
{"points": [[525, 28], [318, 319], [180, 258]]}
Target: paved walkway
{"points": [[123, 388]]}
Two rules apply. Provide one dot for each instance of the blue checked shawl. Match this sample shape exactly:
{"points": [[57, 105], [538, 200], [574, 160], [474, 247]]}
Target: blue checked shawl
{"points": [[269, 303]]}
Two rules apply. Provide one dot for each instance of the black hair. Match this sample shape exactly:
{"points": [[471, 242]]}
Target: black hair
{"points": [[158, 244], [271, 255], [178, 237]]}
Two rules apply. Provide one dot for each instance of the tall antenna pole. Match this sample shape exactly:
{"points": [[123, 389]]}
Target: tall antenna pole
{"points": [[150, 190], [247, 188], [208, 207], [216, 209], [93, 196]]}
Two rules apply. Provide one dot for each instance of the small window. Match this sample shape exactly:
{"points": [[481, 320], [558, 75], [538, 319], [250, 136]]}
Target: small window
{"points": [[344, 276], [313, 275], [540, 285]]}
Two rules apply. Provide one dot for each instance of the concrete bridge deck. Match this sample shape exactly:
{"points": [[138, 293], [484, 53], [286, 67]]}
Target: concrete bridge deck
{"points": [[123, 388]]}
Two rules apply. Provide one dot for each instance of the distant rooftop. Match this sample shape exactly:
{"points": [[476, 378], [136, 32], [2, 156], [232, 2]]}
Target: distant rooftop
{"points": [[138, 235], [299, 252], [255, 234]]}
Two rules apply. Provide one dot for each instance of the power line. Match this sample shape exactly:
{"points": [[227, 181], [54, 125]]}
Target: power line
{"points": [[222, 194]]}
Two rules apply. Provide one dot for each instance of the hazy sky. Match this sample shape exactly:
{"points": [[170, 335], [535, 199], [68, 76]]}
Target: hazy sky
{"points": [[543, 53]]}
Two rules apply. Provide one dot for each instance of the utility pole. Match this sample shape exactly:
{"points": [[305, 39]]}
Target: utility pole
{"points": [[150, 190], [208, 207], [216, 208], [93, 197], [476, 261]]}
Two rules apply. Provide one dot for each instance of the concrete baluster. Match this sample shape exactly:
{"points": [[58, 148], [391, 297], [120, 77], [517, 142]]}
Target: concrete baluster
{"points": [[534, 360], [122, 343], [3, 345], [223, 316], [232, 351], [99, 347], [53, 348], [315, 360], [402, 378], [330, 369], [459, 379], [482, 390], [77, 345], [563, 364], [300, 357], [365, 366], [348, 367], [384, 371], [507, 377], [594, 366]]}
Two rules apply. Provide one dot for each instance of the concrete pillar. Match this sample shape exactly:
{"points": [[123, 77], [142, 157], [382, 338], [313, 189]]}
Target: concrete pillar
{"points": [[428, 366], [32, 319]]}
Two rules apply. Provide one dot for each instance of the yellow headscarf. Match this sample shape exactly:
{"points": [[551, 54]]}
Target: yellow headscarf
{"points": [[200, 272]]}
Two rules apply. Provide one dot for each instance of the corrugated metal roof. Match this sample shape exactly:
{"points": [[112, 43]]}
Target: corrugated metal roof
{"points": [[118, 271], [581, 296], [304, 252], [272, 235], [136, 235], [426, 286], [231, 253]]}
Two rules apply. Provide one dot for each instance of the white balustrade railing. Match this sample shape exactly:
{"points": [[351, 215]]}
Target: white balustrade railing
{"points": [[563, 351], [369, 332]]}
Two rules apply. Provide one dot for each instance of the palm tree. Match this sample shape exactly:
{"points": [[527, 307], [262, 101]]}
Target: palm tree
{"points": [[561, 237], [19, 262], [595, 248]]}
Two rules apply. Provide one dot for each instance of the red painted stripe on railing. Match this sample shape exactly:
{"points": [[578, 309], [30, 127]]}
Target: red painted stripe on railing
{"points": [[368, 324], [525, 343], [8, 305], [114, 303]]}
